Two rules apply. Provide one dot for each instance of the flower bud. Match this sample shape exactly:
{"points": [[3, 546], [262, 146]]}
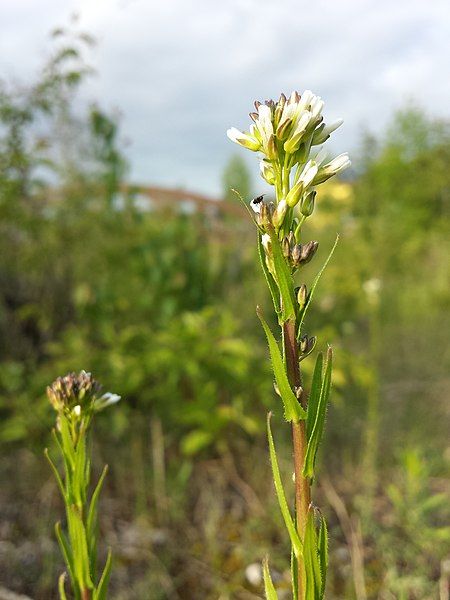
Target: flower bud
{"points": [[302, 296], [294, 194], [296, 254], [271, 148], [279, 214], [265, 215], [308, 251], [307, 203], [267, 172]]}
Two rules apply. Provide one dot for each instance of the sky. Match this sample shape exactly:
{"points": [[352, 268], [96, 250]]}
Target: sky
{"points": [[181, 72]]}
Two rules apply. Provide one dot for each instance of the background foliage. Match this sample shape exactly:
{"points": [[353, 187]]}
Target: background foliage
{"points": [[159, 304]]}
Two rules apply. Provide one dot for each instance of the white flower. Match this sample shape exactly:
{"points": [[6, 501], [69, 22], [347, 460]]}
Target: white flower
{"points": [[77, 410], [244, 139], [293, 142], [338, 164], [106, 400], [308, 173], [322, 135]]}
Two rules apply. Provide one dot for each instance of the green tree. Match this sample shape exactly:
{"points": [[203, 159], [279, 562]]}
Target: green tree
{"points": [[236, 176]]}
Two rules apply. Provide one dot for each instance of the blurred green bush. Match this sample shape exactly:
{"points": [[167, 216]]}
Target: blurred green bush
{"points": [[160, 305]]}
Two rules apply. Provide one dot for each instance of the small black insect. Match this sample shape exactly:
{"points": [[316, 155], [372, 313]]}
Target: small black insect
{"points": [[257, 200]]}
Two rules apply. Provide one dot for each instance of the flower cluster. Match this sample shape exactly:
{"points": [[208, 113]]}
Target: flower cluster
{"points": [[78, 394], [285, 132]]}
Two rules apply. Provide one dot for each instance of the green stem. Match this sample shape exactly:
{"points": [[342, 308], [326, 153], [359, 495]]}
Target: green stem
{"points": [[302, 484]]}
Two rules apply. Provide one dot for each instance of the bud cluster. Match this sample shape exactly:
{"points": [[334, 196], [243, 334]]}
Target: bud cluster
{"points": [[285, 132], [78, 394], [297, 254]]}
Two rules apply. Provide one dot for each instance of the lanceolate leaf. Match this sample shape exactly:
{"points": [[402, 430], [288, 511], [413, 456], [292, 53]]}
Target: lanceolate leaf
{"points": [[314, 396], [61, 590], [319, 419], [269, 278], [91, 523], [290, 525], [313, 287], [294, 575], [311, 560], [56, 474], [269, 588], [322, 549], [284, 278], [102, 588], [66, 552], [292, 409]]}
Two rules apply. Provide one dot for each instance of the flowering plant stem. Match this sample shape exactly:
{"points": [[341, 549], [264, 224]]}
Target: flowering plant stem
{"points": [[76, 399], [285, 132]]}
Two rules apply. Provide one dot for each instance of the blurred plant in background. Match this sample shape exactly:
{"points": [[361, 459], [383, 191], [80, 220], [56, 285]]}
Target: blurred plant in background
{"points": [[157, 300], [76, 399]]}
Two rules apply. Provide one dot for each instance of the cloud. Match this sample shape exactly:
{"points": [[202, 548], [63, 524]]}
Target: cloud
{"points": [[182, 72]]}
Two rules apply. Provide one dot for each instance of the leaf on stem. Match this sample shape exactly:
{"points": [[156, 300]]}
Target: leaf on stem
{"points": [[56, 474], [314, 396], [91, 523], [66, 551], [61, 590], [317, 410], [313, 287], [294, 575], [284, 277], [102, 588], [297, 545], [269, 278], [292, 409], [80, 550], [322, 549], [269, 588], [313, 572]]}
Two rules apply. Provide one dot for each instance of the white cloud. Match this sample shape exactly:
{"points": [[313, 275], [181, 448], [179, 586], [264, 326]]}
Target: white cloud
{"points": [[182, 72]]}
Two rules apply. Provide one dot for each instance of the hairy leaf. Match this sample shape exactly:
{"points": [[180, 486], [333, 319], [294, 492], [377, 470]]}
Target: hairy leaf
{"points": [[102, 588], [290, 525], [319, 418], [284, 278], [313, 288], [292, 409], [311, 560]]}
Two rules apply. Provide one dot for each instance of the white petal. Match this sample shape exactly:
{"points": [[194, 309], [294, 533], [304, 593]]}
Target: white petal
{"points": [[234, 133], [331, 127]]}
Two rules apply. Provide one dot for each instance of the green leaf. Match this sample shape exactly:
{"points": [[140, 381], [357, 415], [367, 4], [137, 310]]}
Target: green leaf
{"points": [[290, 525], [66, 551], [80, 550], [322, 549], [313, 287], [269, 588], [61, 590], [269, 278], [91, 523], [318, 418], [313, 585], [284, 278], [314, 396], [292, 409], [79, 473], [56, 474], [294, 575], [102, 588]]}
